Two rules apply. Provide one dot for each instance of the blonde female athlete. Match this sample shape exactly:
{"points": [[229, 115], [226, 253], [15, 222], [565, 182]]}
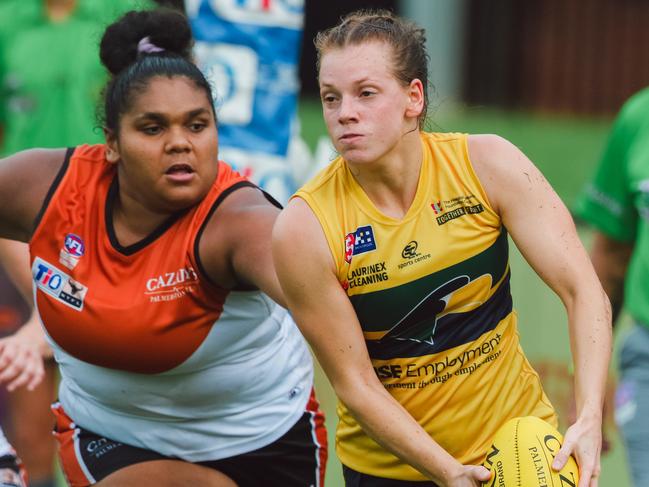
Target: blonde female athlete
{"points": [[394, 263], [153, 279]]}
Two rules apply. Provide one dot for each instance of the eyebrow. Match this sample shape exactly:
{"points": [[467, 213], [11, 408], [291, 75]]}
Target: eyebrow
{"points": [[360, 81], [159, 117]]}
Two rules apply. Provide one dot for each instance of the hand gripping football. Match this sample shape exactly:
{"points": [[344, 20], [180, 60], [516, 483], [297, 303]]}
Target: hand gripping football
{"points": [[521, 455]]}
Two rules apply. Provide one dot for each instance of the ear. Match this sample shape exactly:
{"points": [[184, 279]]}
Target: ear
{"points": [[112, 150], [415, 94]]}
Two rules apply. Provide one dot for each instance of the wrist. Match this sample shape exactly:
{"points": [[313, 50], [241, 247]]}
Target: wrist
{"points": [[448, 473], [590, 415]]}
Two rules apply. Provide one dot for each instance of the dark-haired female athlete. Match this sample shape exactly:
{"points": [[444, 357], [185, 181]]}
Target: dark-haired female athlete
{"points": [[155, 284]]}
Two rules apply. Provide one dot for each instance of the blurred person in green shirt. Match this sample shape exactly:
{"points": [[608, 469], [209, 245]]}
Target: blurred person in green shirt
{"points": [[616, 204], [50, 82]]}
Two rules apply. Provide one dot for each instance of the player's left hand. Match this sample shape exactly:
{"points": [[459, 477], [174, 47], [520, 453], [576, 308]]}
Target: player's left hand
{"points": [[21, 357], [583, 440]]}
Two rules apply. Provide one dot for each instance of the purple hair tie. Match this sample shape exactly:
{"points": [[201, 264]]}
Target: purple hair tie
{"points": [[145, 46]]}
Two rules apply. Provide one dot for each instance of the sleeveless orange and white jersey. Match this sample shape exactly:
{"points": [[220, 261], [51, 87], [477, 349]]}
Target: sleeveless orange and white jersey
{"points": [[151, 353], [431, 292]]}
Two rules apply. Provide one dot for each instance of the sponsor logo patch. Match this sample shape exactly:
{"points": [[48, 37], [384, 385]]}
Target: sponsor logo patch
{"points": [[73, 249], [171, 285], [410, 250], [411, 256], [456, 207], [366, 275], [358, 242], [58, 284], [458, 212]]}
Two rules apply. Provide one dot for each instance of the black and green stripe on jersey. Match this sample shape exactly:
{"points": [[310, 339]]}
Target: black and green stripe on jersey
{"points": [[440, 311]]}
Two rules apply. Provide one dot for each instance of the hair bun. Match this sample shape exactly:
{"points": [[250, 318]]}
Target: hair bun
{"points": [[165, 28]]}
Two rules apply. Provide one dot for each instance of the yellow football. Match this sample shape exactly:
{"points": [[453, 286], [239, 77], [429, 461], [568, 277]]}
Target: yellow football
{"points": [[521, 455]]}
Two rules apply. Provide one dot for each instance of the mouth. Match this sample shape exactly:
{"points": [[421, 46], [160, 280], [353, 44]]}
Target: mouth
{"points": [[178, 169], [180, 173], [349, 137]]}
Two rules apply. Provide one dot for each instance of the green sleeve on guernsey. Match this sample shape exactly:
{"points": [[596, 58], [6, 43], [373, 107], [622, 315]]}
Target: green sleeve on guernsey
{"points": [[608, 201]]}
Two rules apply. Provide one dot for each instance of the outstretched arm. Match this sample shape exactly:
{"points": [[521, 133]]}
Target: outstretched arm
{"points": [[327, 319], [25, 179], [21, 354], [544, 232]]}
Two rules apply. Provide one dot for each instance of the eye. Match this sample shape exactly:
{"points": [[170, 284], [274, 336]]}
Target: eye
{"points": [[329, 98], [151, 129], [197, 126], [366, 93]]}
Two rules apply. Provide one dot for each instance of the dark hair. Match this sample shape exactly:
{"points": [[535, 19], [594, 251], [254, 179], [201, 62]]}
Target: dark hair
{"points": [[131, 70], [407, 40]]}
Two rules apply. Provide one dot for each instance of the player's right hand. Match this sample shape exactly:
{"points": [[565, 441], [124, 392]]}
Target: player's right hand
{"points": [[21, 357], [470, 476]]}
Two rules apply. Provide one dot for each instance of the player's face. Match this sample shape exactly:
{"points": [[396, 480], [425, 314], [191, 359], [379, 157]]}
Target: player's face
{"points": [[167, 145], [367, 110]]}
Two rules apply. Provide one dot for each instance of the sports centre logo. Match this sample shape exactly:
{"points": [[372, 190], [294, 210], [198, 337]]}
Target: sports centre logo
{"points": [[58, 284], [411, 256]]}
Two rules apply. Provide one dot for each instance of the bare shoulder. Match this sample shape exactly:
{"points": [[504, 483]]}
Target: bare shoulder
{"points": [[298, 236], [25, 179], [240, 225], [501, 167], [298, 224], [490, 152]]}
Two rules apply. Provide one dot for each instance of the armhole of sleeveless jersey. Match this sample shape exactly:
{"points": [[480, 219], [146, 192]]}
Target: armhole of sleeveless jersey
{"points": [[215, 205], [53, 187], [471, 171], [321, 219]]}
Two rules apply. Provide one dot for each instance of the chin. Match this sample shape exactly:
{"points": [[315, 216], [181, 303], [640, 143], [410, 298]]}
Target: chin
{"points": [[357, 157], [180, 202]]}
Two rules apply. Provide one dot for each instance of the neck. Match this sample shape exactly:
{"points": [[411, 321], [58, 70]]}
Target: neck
{"points": [[132, 220], [391, 182], [59, 10]]}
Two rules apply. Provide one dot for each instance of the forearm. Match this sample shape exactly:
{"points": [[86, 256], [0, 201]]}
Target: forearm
{"points": [[390, 425], [589, 316], [14, 257]]}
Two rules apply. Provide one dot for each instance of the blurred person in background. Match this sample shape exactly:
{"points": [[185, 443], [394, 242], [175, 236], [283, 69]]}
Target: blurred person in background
{"points": [[394, 261], [50, 82], [21, 359], [212, 383], [49, 86], [616, 204]]}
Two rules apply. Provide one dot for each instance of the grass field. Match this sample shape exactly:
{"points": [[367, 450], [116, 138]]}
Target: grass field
{"points": [[566, 150]]}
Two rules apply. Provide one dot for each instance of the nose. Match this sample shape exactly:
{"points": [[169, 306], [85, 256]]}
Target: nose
{"points": [[347, 111], [177, 140]]}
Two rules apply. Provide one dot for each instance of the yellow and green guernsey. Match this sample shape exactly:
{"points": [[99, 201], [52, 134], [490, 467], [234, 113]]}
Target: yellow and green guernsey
{"points": [[432, 295]]}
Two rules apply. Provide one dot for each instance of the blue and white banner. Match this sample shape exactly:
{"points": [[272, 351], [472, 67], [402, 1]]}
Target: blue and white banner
{"points": [[249, 51]]}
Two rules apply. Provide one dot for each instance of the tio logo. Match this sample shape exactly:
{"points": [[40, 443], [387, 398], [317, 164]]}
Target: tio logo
{"points": [[46, 276]]}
